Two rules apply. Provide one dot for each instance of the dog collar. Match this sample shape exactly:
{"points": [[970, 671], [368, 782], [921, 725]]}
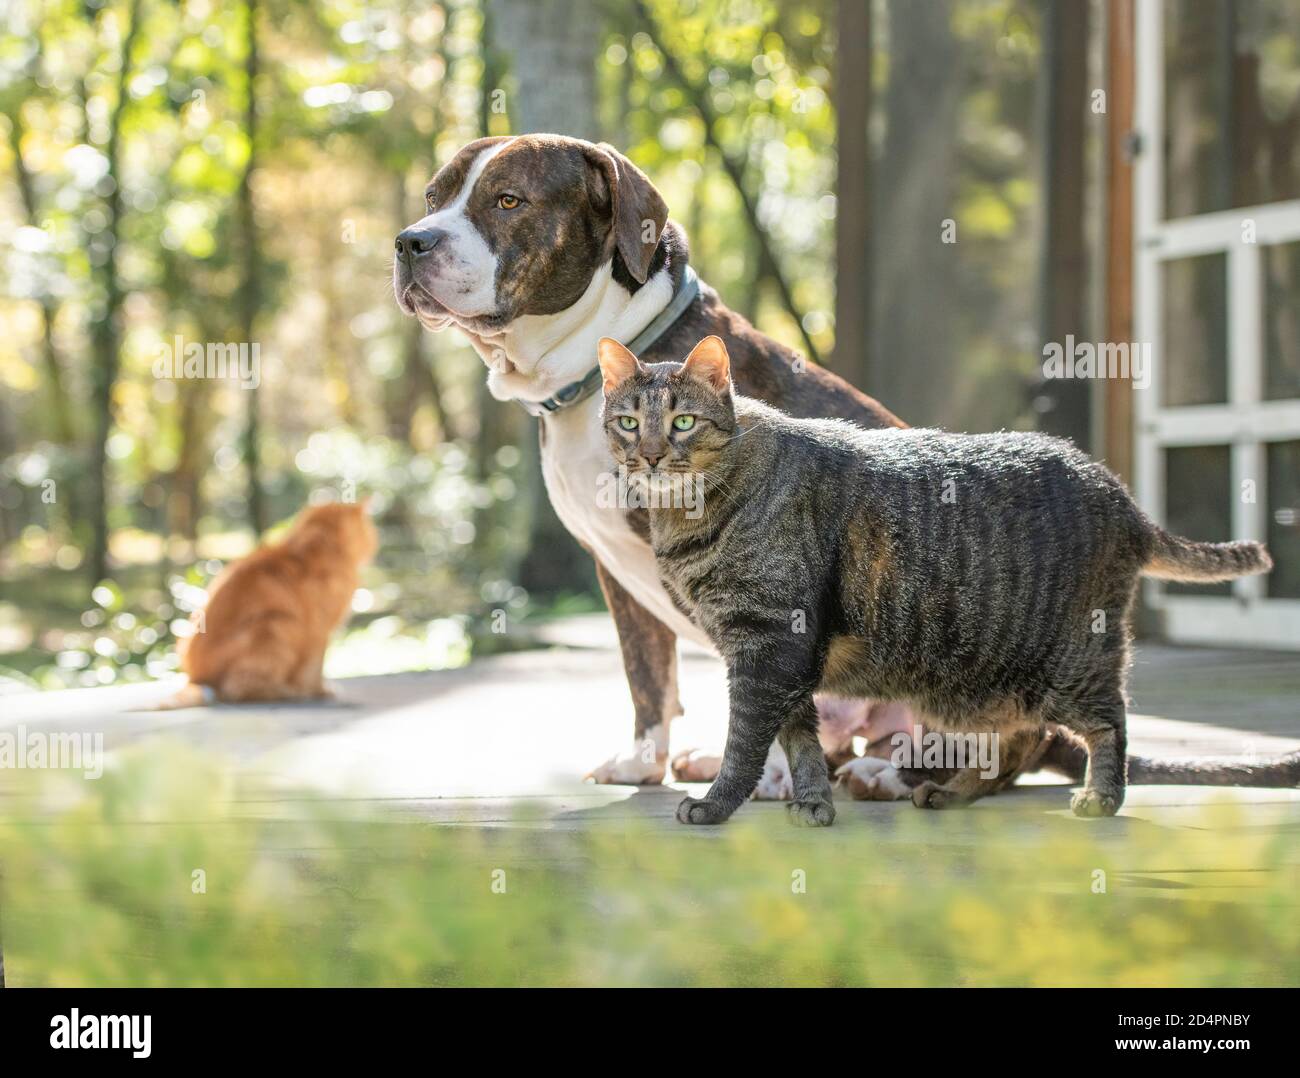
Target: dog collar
{"points": [[576, 392]]}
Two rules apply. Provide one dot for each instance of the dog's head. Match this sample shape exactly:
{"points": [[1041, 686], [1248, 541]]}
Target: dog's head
{"points": [[518, 226]]}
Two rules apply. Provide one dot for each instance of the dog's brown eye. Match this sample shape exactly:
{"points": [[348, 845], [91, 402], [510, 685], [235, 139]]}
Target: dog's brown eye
{"points": [[429, 203], [507, 202]]}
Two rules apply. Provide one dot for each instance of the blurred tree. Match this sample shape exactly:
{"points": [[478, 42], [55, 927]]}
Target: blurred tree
{"points": [[106, 313], [255, 193], [769, 264], [250, 290], [853, 75], [551, 48], [60, 410], [1064, 404], [914, 270]]}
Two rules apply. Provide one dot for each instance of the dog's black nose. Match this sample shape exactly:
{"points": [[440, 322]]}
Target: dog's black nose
{"points": [[413, 242]]}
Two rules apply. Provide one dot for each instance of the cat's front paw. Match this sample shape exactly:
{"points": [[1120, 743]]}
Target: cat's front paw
{"points": [[702, 810], [1093, 803], [810, 813], [629, 769]]}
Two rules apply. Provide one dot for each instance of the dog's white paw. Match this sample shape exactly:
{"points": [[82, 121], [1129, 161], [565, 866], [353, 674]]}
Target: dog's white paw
{"points": [[697, 765], [872, 779], [637, 767]]}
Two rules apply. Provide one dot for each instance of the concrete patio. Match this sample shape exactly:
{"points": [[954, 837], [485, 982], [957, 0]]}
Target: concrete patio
{"points": [[470, 746]]}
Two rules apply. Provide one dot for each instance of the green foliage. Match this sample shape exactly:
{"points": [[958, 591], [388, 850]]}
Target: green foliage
{"points": [[102, 892], [357, 105], [427, 605]]}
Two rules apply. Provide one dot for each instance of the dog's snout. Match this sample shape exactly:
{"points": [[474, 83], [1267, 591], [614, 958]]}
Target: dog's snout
{"points": [[413, 242]]}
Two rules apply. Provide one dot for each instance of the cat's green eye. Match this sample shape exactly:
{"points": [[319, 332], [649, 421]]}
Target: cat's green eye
{"points": [[628, 422], [683, 422]]}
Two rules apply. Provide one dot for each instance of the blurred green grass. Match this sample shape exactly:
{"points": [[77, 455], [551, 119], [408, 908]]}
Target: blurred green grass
{"points": [[98, 890]]}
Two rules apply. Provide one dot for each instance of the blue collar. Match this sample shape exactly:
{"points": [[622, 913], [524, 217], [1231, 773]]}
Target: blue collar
{"points": [[578, 391]]}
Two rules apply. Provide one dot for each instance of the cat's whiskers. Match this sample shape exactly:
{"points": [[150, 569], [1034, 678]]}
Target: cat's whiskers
{"points": [[719, 483], [749, 430]]}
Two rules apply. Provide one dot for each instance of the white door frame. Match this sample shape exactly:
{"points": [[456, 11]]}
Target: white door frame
{"points": [[1246, 422]]}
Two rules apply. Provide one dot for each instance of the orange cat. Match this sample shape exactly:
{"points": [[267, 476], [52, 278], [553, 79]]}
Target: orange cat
{"points": [[269, 617]]}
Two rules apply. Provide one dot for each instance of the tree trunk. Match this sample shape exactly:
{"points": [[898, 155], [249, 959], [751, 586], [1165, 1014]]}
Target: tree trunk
{"points": [[913, 270], [552, 47], [853, 191], [184, 503], [106, 331], [498, 424], [51, 363], [1065, 404], [249, 292]]}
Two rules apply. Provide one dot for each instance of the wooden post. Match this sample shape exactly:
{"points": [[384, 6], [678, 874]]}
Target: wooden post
{"points": [[1117, 419]]}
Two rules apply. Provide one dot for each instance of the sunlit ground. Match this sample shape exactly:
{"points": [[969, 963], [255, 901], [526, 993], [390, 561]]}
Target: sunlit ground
{"points": [[158, 874]]}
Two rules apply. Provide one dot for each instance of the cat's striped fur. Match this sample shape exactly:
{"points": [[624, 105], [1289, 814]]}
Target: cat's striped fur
{"points": [[986, 579]]}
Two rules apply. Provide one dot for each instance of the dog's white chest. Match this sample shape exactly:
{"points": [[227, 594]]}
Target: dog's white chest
{"points": [[576, 466]]}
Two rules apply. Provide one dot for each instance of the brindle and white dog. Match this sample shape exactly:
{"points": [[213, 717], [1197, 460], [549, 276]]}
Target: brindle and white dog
{"points": [[537, 246]]}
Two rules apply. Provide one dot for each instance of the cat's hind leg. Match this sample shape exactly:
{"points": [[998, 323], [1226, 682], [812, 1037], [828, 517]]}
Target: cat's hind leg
{"points": [[1102, 725], [262, 667]]}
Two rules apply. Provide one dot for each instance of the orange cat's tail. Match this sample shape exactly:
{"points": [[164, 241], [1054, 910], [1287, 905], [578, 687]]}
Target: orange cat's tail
{"points": [[190, 695]]}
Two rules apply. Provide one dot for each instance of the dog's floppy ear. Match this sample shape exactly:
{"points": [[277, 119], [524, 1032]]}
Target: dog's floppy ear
{"points": [[637, 212], [617, 364]]}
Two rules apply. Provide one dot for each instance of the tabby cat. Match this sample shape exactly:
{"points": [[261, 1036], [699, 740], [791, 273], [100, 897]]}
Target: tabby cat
{"points": [[986, 579]]}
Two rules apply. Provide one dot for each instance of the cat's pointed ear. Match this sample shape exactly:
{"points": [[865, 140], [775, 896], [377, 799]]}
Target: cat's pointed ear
{"points": [[709, 363], [617, 364]]}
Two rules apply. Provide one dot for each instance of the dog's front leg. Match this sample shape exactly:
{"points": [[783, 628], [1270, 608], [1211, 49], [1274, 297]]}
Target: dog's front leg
{"points": [[650, 662]]}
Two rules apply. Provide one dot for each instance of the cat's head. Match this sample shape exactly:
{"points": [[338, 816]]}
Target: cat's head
{"points": [[667, 417], [345, 526]]}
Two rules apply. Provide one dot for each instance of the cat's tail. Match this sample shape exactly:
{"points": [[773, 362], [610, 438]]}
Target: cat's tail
{"points": [[1069, 758], [189, 695], [1175, 558], [1275, 772]]}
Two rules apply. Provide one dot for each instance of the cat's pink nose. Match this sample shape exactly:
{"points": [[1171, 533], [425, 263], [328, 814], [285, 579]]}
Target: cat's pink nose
{"points": [[652, 458]]}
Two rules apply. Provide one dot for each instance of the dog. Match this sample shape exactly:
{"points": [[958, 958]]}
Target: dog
{"points": [[535, 247]]}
